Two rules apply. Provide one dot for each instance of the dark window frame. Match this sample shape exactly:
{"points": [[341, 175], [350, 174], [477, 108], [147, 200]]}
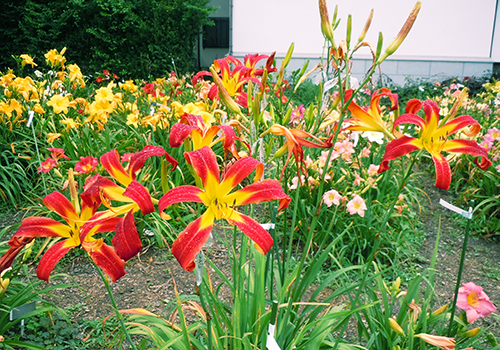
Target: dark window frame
{"points": [[216, 36]]}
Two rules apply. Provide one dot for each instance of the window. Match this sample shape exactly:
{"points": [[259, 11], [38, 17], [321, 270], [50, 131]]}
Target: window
{"points": [[216, 36]]}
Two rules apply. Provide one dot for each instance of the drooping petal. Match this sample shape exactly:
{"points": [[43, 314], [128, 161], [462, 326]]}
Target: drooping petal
{"points": [[57, 202], [191, 240], [180, 194], [443, 172], [140, 195], [16, 245], [42, 227], [205, 165], [397, 148], [111, 162], [460, 123], [179, 133], [51, 258], [262, 191], [252, 229], [413, 106], [469, 147], [138, 159], [106, 258], [126, 241]]}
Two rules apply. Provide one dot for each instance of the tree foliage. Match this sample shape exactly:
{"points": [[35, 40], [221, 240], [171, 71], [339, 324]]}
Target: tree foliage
{"points": [[131, 38]]}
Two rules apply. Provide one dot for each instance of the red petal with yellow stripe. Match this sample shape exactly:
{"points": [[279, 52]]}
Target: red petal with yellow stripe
{"points": [[397, 148], [51, 258], [204, 163], [42, 227], [191, 240], [253, 230], [111, 162], [262, 191], [180, 194], [140, 195], [57, 202], [106, 258]]}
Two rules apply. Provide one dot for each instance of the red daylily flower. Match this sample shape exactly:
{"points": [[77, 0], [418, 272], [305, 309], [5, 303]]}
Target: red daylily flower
{"points": [[79, 231], [370, 119], [202, 134], [47, 164], [85, 165], [220, 202], [295, 140], [434, 138], [16, 245], [57, 153], [102, 190], [234, 79]]}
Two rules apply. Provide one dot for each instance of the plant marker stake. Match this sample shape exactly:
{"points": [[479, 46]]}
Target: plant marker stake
{"points": [[467, 215], [271, 343], [31, 114]]}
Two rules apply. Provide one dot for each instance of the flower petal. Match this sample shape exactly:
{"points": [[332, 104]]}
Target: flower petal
{"points": [[42, 227], [126, 240], [262, 191], [191, 240], [106, 258], [238, 171], [138, 159], [205, 165], [111, 162], [179, 133], [459, 123], [61, 205], [443, 172], [469, 147], [140, 195], [51, 258], [180, 194], [253, 230], [397, 148]]}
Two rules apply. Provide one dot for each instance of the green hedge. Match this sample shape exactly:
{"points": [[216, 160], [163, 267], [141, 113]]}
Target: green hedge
{"points": [[131, 38]]}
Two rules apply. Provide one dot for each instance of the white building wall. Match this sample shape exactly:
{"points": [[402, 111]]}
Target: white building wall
{"points": [[451, 38]]}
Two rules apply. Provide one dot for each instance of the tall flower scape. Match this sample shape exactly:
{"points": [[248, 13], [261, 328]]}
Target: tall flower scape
{"points": [[118, 160]]}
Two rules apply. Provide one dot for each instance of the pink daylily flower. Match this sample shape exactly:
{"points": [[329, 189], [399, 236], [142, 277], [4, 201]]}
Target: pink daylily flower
{"points": [[357, 206], [474, 301]]}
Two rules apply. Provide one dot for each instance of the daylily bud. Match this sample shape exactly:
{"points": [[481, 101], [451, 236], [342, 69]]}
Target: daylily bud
{"points": [[395, 326], [349, 30], [229, 102], [73, 191], [284, 63], [440, 310], [472, 333], [398, 40], [326, 27], [396, 284], [367, 26]]}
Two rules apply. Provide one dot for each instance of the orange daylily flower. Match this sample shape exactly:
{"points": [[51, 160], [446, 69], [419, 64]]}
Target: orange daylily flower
{"points": [[295, 140]]}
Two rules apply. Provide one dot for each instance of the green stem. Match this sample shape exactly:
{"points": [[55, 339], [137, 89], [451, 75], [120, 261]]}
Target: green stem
{"points": [[459, 277], [119, 316]]}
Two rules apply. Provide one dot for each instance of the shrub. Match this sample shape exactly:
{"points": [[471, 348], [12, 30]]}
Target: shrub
{"points": [[130, 38]]}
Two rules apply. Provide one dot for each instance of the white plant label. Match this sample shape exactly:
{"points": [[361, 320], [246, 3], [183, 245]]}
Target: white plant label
{"points": [[465, 214]]}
